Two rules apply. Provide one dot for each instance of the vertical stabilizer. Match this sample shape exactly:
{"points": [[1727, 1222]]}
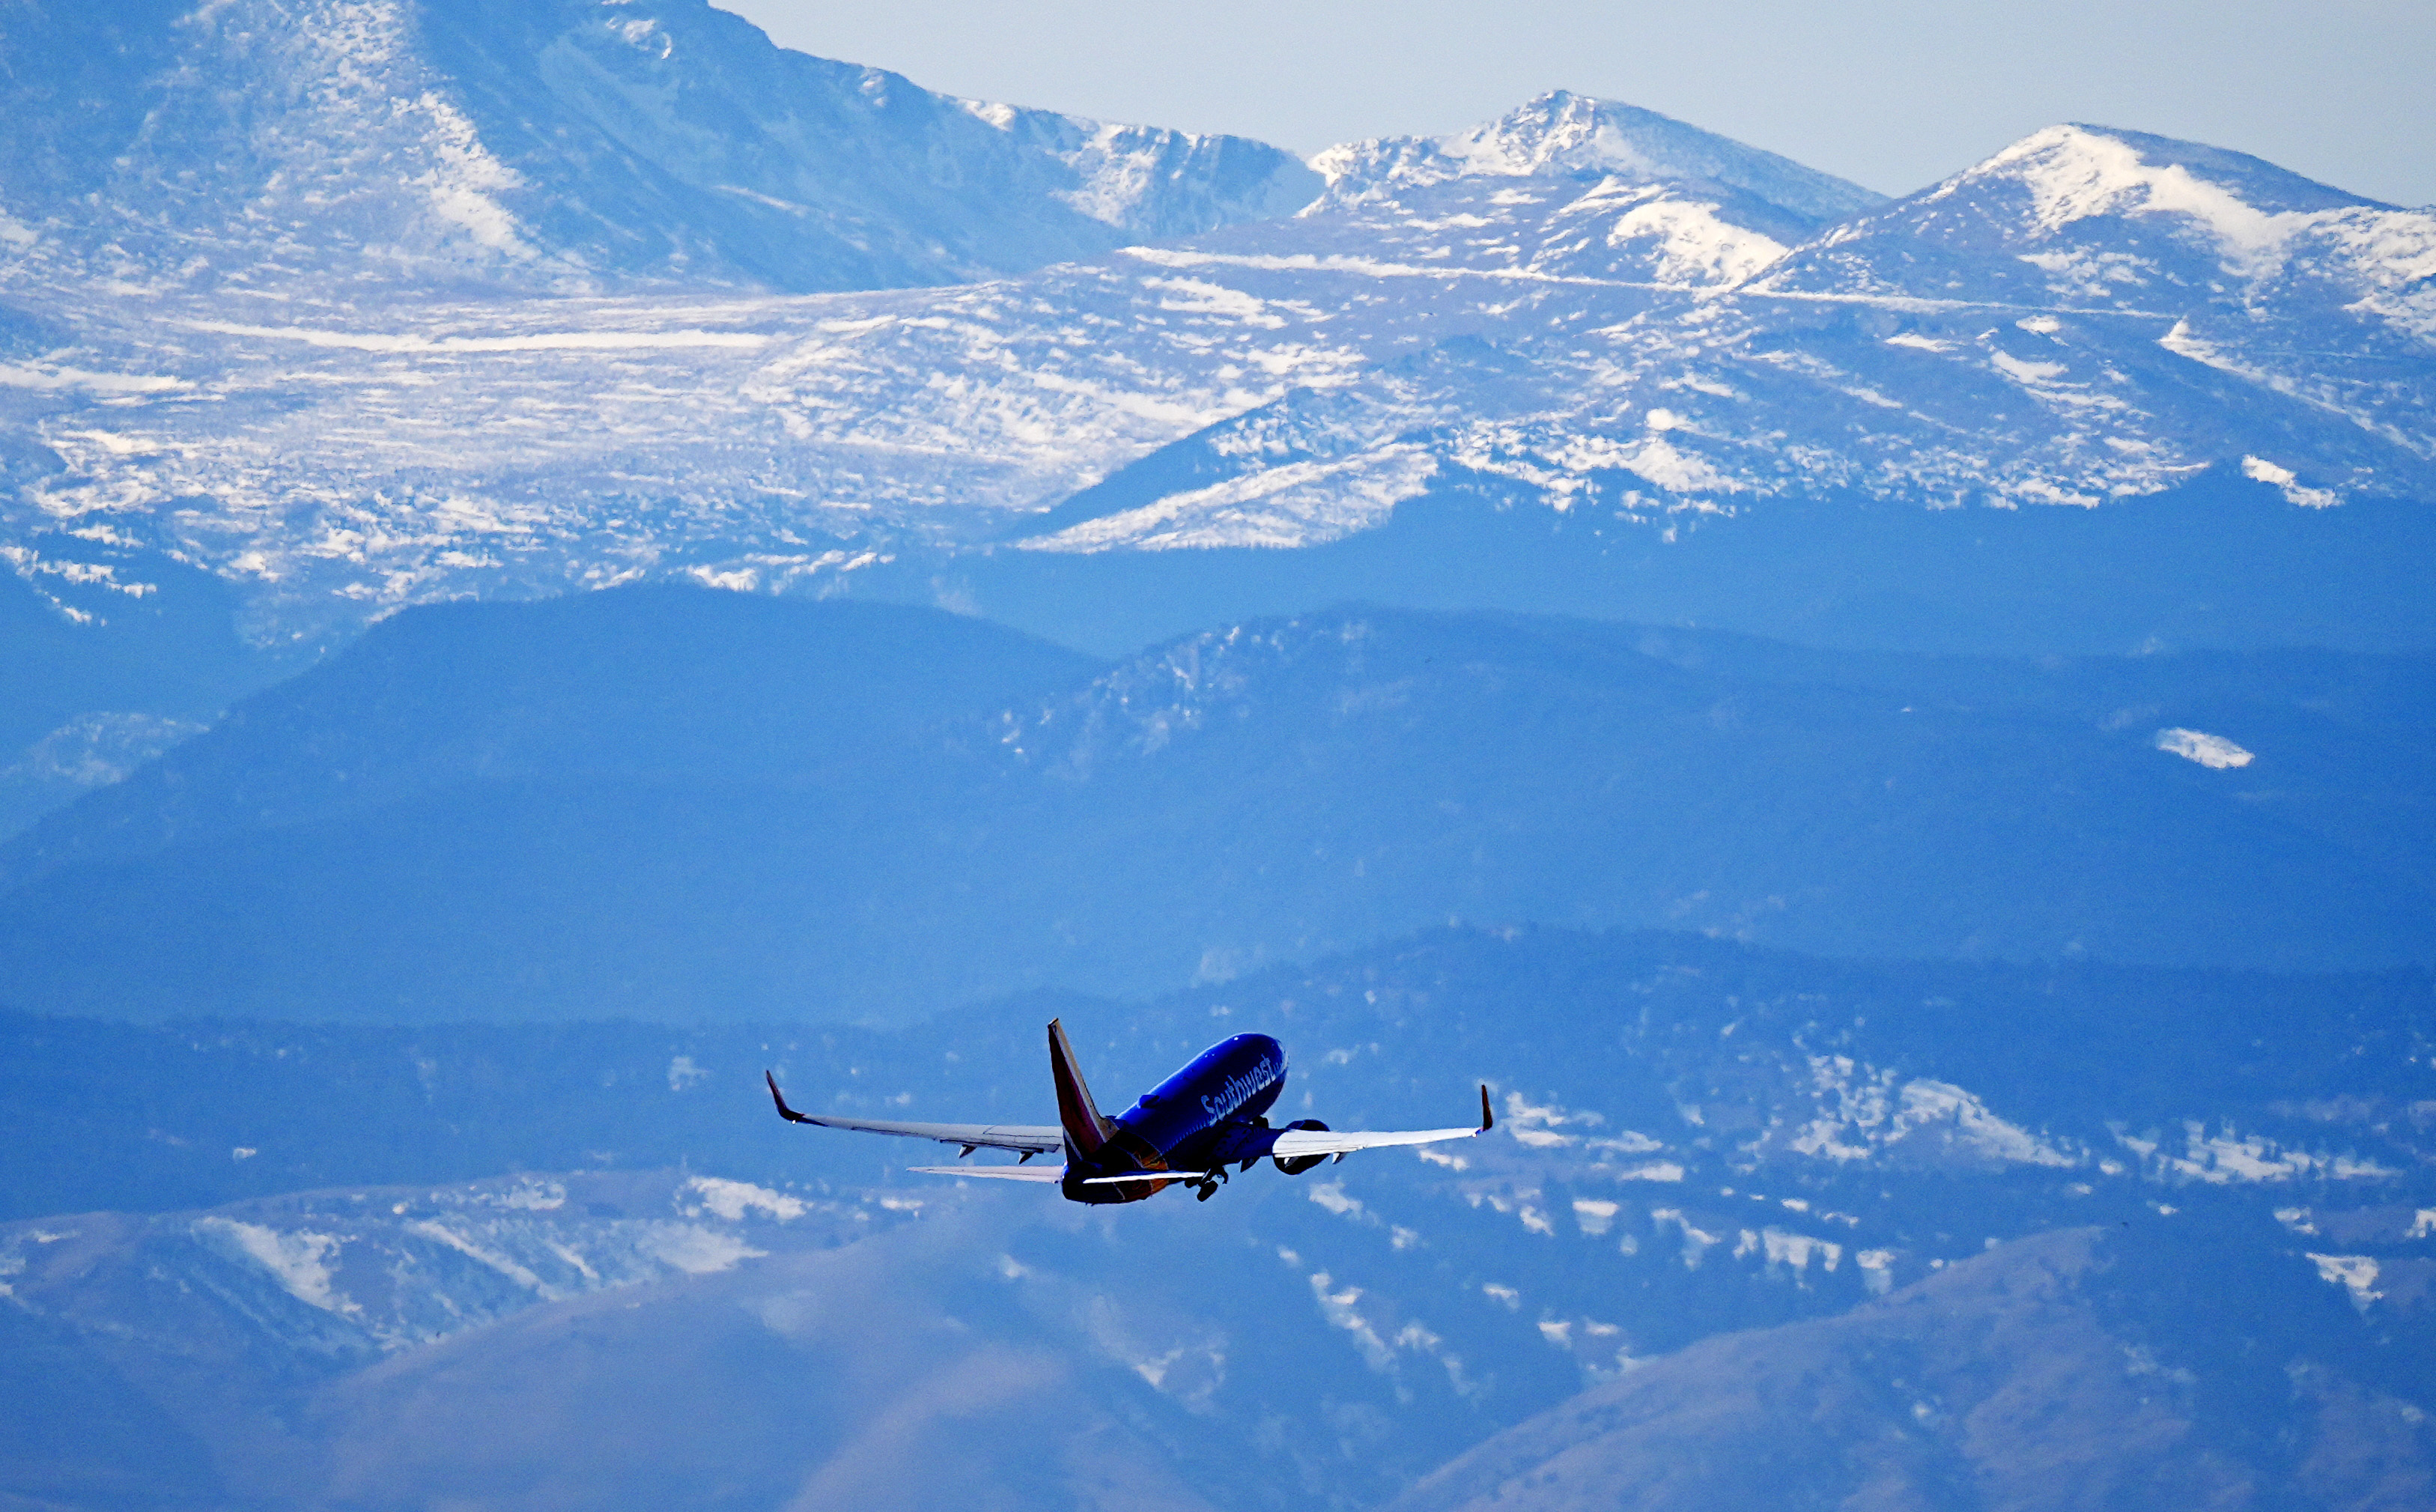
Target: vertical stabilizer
{"points": [[1085, 1131]]}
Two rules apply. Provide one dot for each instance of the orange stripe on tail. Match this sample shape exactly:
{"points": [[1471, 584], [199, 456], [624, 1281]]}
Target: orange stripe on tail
{"points": [[1086, 1130]]}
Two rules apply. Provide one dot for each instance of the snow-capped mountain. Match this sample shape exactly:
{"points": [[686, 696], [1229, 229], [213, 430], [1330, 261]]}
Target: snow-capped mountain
{"points": [[2088, 315], [1586, 315], [556, 143]]}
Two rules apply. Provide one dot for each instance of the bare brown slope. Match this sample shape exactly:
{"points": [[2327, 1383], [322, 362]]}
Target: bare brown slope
{"points": [[1992, 1384]]}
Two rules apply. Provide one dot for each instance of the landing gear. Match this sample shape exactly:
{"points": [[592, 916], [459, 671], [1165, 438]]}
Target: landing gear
{"points": [[1204, 1192]]}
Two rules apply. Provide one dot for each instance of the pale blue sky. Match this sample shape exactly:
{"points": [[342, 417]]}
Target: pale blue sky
{"points": [[1894, 94]]}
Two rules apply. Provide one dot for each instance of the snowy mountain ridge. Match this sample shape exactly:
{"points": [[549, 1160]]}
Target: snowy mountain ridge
{"points": [[1584, 309], [563, 145], [2081, 274]]}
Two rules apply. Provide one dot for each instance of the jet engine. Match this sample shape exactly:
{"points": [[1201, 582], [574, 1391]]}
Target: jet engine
{"points": [[1303, 1162]]}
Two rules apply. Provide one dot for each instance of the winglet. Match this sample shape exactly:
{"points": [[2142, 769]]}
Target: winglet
{"points": [[784, 1111], [1488, 1120]]}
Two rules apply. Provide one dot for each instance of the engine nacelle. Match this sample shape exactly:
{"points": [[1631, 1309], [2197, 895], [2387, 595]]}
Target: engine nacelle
{"points": [[1303, 1162]]}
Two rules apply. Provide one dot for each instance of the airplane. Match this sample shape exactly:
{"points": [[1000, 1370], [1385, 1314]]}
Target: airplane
{"points": [[1187, 1130]]}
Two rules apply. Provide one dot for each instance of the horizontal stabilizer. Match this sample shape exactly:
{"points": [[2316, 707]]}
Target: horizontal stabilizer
{"points": [[995, 1172], [1025, 1138]]}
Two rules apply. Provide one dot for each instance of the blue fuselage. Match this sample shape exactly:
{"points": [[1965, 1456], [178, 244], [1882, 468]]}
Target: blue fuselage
{"points": [[1186, 1121]]}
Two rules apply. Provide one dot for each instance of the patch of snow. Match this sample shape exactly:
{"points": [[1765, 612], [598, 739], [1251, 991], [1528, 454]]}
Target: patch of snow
{"points": [[2075, 174], [2214, 752], [693, 1249], [2184, 341], [300, 1261], [2259, 470], [465, 178], [481, 1255], [1543, 1138], [1000, 116], [533, 1196], [2085, 273], [1877, 1270], [1863, 1111], [1196, 296], [2024, 372], [19, 376], [1338, 1309], [2228, 1156], [1630, 1141], [1690, 245], [538, 341], [2354, 1274], [732, 1200], [1781, 1247], [1697, 1241], [1331, 1195], [1298, 504]]}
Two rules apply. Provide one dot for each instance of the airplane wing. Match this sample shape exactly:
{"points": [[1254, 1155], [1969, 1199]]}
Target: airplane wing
{"points": [[1029, 1138], [1293, 1143]]}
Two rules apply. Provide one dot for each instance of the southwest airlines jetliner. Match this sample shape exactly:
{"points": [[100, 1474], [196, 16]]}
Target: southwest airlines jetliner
{"points": [[1190, 1128]]}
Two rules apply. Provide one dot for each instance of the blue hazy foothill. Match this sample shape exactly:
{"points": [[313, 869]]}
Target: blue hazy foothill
{"points": [[676, 803]]}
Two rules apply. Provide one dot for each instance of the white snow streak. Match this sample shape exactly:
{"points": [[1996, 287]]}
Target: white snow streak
{"points": [[2214, 752]]}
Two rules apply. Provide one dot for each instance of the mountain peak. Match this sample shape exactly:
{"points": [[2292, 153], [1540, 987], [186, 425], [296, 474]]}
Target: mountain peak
{"points": [[1564, 134], [2073, 171]]}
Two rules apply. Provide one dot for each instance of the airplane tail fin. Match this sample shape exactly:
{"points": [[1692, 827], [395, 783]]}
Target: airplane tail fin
{"points": [[1086, 1130]]}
